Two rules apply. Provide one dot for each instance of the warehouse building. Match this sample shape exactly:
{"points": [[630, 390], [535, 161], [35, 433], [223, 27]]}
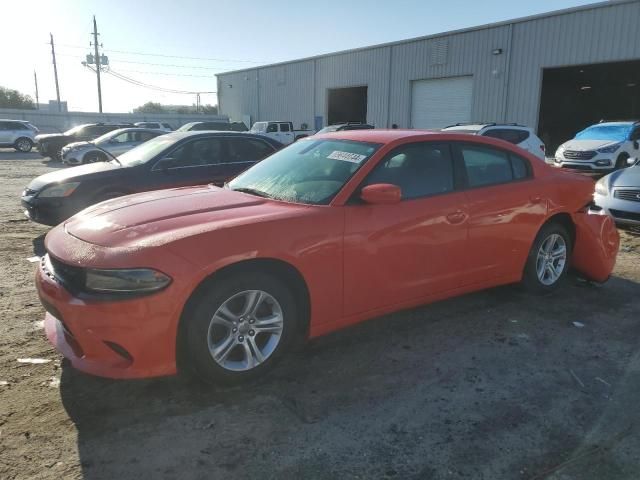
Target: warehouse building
{"points": [[556, 72]]}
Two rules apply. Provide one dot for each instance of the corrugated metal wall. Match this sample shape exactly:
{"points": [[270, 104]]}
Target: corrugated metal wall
{"points": [[506, 86]]}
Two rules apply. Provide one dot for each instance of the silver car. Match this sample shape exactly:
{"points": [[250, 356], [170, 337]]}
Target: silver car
{"points": [[115, 143], [18, 134], [618, 194]]}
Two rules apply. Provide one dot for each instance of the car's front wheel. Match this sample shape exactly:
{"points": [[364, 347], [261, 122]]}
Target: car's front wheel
{"points": [[548, 260], [23, 145], [239, 327]]}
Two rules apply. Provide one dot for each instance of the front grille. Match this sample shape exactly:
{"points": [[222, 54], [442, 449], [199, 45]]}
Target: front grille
{"points": [[579, 155], [631, 195], [71, 277], [578, 167], [625, 215]]}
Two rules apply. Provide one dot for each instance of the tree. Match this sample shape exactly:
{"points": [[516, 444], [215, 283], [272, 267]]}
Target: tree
{"points": [[14, 99], [150, 107], [210, 109]]}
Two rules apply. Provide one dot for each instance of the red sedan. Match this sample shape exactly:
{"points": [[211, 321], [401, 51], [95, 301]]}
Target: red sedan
{"points": [[333, 230]]}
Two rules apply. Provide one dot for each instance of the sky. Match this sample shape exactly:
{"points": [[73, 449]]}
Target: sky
{"points": [[181, 45]]}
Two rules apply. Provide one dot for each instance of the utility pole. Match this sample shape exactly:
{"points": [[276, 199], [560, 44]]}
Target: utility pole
{"points": [[35, 79], [55, 72], [97, 57]]}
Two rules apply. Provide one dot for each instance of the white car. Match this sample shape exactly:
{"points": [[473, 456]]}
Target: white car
{"points": [[283, 132], [603, 147], [519, 135], [165, 127], [115, 143], [18, 134]]}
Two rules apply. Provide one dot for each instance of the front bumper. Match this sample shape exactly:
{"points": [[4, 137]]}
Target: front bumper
{"points": [[624, 212], [131, 338], [49, 211], [596, 164]]}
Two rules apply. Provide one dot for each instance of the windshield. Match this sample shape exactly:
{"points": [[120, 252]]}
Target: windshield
{"points": [[259, 127], [307, 171], [106, 137], [146, 151], [329, 129], [74, 130], [618, 133]]}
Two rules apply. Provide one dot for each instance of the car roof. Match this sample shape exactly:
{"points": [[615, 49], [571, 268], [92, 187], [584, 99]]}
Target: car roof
{"points": [[480, 126], [223, 133], [375, 135], [132, 129], [615, 123], [13, 120]]}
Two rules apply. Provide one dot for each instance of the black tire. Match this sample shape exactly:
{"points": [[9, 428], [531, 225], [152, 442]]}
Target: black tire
{"points": [[198, 319], [93, 157], [23, 144], [621, 161], [530, 279]]}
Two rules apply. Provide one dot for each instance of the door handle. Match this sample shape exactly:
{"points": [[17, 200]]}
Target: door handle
{"points": [[456, 217]]}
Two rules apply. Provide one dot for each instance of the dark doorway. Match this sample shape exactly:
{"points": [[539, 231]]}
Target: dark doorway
{"points": [[576, 97], [347, 105]]}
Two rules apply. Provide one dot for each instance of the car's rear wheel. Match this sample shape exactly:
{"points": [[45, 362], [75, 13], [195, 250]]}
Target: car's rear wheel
{"points": [[548, 259], [23, 145], [93, 157], [621, 162], [239, 327]]}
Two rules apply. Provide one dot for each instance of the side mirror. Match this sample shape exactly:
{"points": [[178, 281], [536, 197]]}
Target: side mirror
{"points": [[381, 194], [633, 161]]}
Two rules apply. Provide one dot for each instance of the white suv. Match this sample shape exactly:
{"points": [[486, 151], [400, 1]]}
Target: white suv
{"points": [[519, 135], [18, 134], [602, 147]]}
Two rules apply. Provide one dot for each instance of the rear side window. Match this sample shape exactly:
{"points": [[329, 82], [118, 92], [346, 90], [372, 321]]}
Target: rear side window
{"points": [[488, 166], [284, 127], [510, 135], [144, 136], [17, 126], [272, 128], [248, 149], [419, 169]]}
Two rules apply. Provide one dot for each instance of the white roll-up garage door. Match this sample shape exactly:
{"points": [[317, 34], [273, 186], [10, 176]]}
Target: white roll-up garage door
{"points": [[439, 102]]}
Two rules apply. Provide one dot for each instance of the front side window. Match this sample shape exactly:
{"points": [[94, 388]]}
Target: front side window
{"points": [[284, 127], [308, 171], [197, 153], [488, 166], [248, 149], [272, 128], [419, 169]]}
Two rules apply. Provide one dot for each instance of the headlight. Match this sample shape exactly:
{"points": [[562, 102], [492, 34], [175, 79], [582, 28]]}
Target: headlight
{"points": [[601, 187], [125, 280], [609, 148], [559, 151], [59, 190]]}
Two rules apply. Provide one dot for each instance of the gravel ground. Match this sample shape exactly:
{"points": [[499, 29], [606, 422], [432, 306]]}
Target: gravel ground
{"points": [[493, 385]]}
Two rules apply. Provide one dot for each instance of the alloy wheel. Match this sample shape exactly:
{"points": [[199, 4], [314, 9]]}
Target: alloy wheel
{"points": [[551, 259], [24, 145], [245, 330]]}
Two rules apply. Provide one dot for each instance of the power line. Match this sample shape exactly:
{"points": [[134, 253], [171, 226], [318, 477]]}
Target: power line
{"points": [[148, 63], [129, 52], [152, 87], [146, 72]]}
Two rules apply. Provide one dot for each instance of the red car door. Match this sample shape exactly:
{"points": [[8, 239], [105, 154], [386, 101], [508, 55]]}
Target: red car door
{"points": [[411, 249], [506, 207]]}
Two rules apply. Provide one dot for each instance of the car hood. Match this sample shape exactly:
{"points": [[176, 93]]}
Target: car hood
{"points": [[49, 136], [582, 145], [162, 216], [70, 174], [628, 177], [71, 145]]}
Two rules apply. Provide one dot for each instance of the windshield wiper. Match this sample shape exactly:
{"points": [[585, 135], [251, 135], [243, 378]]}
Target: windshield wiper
{"points": [[252, 191], [108, 153]]}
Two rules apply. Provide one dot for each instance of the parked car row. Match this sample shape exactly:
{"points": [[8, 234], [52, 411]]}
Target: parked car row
{"points": [[18, 134], [223, 276]]}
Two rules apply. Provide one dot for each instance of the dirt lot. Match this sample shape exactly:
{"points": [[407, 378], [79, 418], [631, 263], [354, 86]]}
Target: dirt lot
{"points": [[493, 385]]}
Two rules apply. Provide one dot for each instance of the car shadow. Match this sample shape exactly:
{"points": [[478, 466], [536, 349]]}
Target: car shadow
{"points": [[38, 245], [386, 398]]}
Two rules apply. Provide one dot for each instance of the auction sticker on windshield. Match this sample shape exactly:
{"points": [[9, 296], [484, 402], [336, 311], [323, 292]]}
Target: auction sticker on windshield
{"points": [[346, 156]]}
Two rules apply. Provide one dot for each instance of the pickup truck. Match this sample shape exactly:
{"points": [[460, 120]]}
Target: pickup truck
{"points": [[280, 131]]}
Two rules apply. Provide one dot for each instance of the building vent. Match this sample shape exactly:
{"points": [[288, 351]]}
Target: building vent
{"points": [[439, 51]]}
